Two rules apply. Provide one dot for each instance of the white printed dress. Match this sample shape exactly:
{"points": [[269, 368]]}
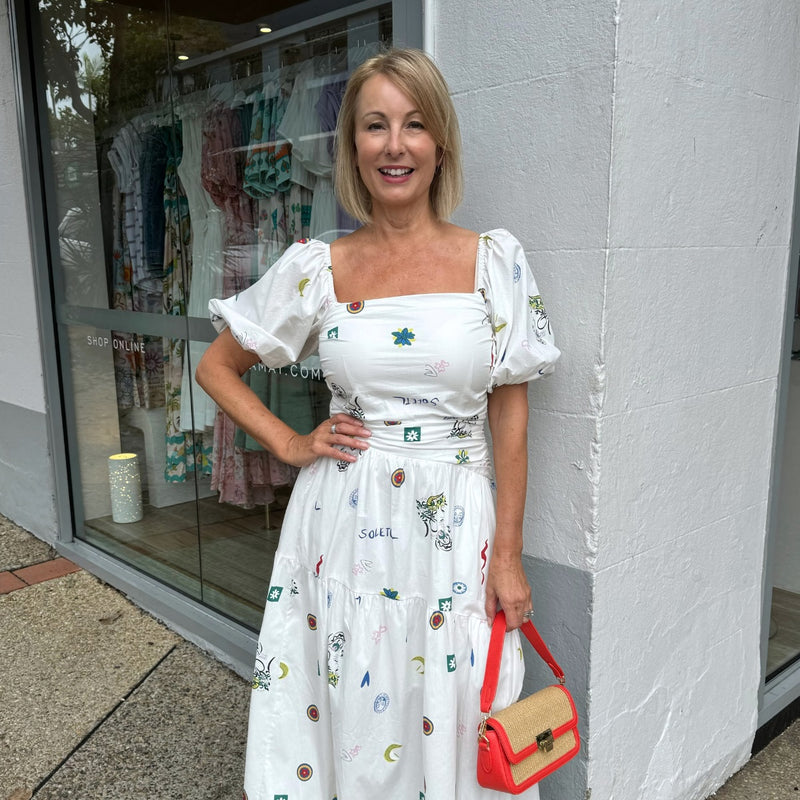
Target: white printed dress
{"points": [[374, 640]]}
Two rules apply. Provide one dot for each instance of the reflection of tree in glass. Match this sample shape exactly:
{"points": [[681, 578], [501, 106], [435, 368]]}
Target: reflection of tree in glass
{"points": [[106, 61]]}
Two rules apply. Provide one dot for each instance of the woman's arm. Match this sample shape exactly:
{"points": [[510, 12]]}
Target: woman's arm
{"points": [[220, 373], [506, 582]]}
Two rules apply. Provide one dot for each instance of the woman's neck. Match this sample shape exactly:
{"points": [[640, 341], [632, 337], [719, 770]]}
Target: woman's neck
{"points": [[408, 228]]}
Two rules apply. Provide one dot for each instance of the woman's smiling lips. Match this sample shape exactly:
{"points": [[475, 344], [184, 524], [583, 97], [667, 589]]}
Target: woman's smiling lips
{"points": [[395, 173]]}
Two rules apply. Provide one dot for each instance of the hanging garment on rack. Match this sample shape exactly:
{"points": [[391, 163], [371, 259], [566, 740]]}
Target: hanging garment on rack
{"points": [[324, 218], [123, 156], [327, 107], [283, 219], [186, 452], [153, 166], [267, 168], [198, 410], [301, 126], [323, 211], [138, 359], [244, 478]]}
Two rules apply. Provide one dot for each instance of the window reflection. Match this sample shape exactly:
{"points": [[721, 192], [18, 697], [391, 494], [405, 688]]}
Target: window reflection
{"points": [[187, 152]]}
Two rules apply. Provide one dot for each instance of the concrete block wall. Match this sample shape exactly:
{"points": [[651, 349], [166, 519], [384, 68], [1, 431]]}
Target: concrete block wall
{"points": [[645, 154], [703, 160], [26, 479]]}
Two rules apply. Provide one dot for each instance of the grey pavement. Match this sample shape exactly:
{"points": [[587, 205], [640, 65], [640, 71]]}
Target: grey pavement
{"points": [[772, 774], [98, 700]]}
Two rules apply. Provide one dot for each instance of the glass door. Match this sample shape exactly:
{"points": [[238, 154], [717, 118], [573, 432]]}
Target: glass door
{"points": [[185, 146], [783, 648]]}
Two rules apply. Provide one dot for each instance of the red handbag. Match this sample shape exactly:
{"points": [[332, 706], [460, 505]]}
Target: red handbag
{"points": [[533, 737]]}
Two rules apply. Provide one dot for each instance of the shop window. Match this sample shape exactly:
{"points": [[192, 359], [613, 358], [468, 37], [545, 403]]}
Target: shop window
{"points": [[185, 146]]}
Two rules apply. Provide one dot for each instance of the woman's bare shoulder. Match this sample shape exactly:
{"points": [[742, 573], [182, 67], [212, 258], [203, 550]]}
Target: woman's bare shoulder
{"points": [[456, 232], [347, 244]]}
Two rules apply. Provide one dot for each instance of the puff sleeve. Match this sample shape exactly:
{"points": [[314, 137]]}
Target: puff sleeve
{"points": [[278, 317], [523, 347]]}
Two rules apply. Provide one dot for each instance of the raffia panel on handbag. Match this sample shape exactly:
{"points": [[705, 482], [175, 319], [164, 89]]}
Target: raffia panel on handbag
{"points": [[549, 708]]}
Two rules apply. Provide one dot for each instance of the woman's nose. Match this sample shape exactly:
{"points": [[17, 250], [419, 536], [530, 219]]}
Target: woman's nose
{"points": [[395, 142]]}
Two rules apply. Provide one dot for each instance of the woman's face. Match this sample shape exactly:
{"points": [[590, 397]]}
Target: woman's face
{"points": [[396, 155]]}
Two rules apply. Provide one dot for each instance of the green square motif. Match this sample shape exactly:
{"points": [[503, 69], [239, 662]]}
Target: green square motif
{"points": [[412, 434]]}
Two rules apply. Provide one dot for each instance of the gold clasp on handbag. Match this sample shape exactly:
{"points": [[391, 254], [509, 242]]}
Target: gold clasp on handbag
{"points": [[545, 741], [482, 727]]}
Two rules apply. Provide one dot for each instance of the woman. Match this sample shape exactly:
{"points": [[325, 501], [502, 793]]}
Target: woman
{"points": [[391, 558]]}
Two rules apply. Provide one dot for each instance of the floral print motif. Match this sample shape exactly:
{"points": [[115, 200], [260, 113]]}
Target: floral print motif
{"points": [[336, 643], [187, 452], [403, 337]]}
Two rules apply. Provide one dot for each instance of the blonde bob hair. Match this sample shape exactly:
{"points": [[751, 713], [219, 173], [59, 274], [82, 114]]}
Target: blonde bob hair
{"points": [[414, 73]]}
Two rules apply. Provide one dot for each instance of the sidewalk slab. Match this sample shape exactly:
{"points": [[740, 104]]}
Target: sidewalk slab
{"points": [[18, 548], [772, 774], [72, 648], [10, 583], [181, 734], [46, 571]]}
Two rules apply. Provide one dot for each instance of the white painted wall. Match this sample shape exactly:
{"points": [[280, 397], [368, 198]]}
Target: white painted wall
{"points": [[20, 355], [703, 159], [532, 83], [645, 154]]}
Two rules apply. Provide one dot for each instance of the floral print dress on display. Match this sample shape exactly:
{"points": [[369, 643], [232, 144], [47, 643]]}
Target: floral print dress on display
{"points": [[374, 640]]}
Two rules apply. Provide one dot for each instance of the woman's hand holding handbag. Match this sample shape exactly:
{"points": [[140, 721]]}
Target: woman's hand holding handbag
{"points": [[533, 737]]}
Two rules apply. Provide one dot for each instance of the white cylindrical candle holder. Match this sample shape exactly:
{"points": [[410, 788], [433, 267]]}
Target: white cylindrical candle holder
{"points": [[125, 484]]}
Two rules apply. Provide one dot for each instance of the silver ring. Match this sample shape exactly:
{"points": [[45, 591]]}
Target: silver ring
{"points": [[333, 428], [528, 615]]}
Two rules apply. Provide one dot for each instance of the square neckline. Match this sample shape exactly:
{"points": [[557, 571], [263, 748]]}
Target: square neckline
{"points": [[476, 292]]}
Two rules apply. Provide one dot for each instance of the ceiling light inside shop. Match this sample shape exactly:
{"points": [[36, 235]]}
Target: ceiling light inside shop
{"points": [[183, 58], [265, 29]]}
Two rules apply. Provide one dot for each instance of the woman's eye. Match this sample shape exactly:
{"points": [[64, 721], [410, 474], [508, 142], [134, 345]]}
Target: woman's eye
{"points": [[375, 126], [416, 124]]}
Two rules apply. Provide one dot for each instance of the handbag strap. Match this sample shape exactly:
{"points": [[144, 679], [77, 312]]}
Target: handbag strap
{"points": [[492, 673]]}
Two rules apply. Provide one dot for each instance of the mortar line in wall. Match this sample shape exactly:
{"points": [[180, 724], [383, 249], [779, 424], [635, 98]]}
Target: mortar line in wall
{"points": [[566, 414], [685, 534], [665, 248], [707, 393], [739, 91], [575, 70], [704, 247]]}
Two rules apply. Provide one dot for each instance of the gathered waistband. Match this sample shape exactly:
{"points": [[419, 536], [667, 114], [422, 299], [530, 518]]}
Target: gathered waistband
{"points": [[443, 441]]}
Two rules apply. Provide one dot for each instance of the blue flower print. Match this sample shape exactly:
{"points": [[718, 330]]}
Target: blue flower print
{"points": [[403, 337]]}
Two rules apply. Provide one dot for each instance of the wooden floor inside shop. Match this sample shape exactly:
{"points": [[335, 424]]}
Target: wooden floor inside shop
{"points": [[784, 641], [216, 553]]}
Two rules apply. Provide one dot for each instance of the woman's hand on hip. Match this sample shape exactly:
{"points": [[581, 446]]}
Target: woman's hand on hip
{"points": [[326, 441]]}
